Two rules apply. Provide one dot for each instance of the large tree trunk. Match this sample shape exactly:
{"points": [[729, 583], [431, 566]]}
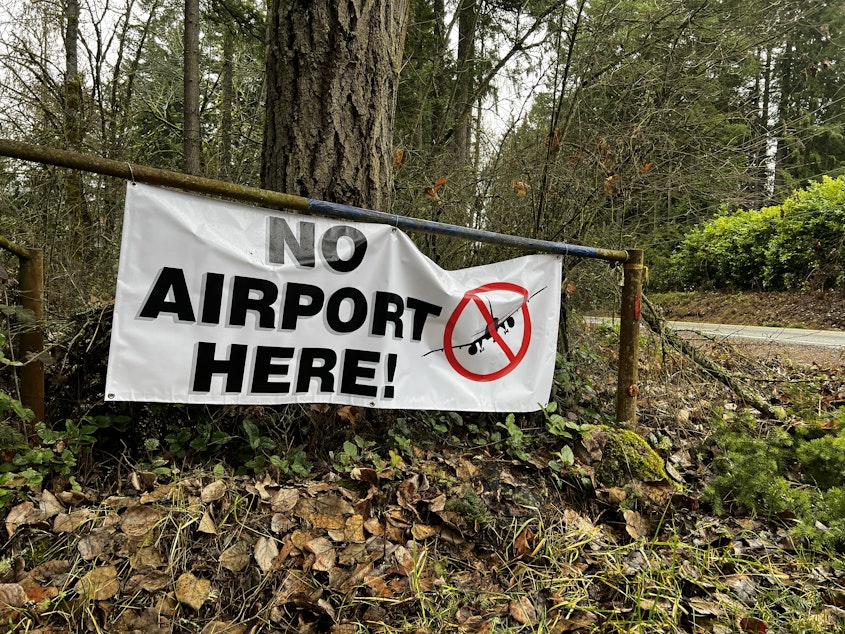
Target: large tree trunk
{"points": [[191, 139], [332, 74]]}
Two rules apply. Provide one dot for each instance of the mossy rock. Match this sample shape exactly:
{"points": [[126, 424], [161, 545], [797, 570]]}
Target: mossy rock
{"points": [[626, 456]]}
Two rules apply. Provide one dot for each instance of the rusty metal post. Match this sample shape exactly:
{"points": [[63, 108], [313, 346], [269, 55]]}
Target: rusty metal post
{"points": [[32, 341], [627, 389]]}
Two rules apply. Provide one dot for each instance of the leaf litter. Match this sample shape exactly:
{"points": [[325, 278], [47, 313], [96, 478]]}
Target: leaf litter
{"points": [[451, 539]]}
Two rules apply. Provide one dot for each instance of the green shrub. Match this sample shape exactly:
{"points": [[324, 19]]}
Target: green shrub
{"points": [[728, 250], [807, 251], [779, 472], [794, 246]]}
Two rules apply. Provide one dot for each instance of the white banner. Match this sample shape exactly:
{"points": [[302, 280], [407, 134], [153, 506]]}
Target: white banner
{"points": [[224, 303]]}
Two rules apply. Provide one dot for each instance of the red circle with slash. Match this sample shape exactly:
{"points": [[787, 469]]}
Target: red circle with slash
{"points": [[473, 297]]}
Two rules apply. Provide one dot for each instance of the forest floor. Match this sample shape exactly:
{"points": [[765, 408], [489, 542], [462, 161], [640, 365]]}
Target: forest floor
{"points": [[430, 522]]}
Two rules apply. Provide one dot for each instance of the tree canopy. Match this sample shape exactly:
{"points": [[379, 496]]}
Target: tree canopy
{"points": [[608, 123]]}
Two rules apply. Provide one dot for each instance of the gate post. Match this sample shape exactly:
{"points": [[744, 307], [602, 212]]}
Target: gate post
{"points": [[629, 338], [32, 341]]}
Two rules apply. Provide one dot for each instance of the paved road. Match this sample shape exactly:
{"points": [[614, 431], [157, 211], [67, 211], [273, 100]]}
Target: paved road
{"points": [[794, 336]]}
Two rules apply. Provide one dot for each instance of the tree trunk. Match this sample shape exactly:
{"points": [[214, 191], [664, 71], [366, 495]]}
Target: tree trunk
{"points": [[332, 75], [75, 197], [465, 79], [227, 98], [191, 139]]}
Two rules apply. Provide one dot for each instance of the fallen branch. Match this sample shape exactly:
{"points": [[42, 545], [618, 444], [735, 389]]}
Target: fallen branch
{"points": [[749, 397]]}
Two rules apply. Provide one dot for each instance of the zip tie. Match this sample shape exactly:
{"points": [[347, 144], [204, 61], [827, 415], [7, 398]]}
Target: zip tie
{"points": [[131, 173]]}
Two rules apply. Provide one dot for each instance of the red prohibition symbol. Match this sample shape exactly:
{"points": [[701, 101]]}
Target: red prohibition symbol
{"points": [[475, 298]]}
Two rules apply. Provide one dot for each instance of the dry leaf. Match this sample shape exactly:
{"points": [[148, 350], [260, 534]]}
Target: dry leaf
{"points": [[325, 521], [610, 183], [574, 622], [50, 504], [40, 595], [432, 190], [223, 627], [265, 552], [152, 581], [137, 521], [524, 543], [521, 187], [398, 157], [404, 558], [72, 521], [753, 625], [99, 584], [378, 586], [365, 474], [192, 591], [12, 595], [353, 530], [523, 611], [53, 571], [347, 414], [422, 531], [24, 514], [284, 500], [147, 557], [159, 493], [324, 553], [207, 525], [636, 525], [95, 543], [213, 491], [706, 608], [408, 493], [237, 556]]}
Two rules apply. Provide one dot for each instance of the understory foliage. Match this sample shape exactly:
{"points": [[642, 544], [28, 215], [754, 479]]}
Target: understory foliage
{"points": [[797, 245], [798, 473]]}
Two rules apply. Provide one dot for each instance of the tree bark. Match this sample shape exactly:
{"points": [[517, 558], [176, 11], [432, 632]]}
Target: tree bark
{"points": [[332, 75], [227, 98], [191, 139], [465, 79], [75, 197]]}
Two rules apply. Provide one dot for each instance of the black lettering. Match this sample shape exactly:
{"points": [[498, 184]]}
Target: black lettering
{"points": [[316, 363], [243, 301], [356, 318], [280, 235], [422, 310], [169, 280], [266, 368], [207, 366], [387, 307], [294, 308], [212, 298], [353, 371], [328, 244]]}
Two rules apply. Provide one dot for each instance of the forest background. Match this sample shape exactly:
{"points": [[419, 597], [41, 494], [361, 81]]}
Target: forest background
{"points": [[619, 124]]}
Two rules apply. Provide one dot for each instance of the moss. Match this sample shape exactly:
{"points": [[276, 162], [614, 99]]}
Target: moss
{"points": [[626, 456], [471, 507]]}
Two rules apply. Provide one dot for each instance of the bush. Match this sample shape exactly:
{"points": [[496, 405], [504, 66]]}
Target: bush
{"points": [[783, 473], [727, 251], [807, 251], [799, 245]]}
